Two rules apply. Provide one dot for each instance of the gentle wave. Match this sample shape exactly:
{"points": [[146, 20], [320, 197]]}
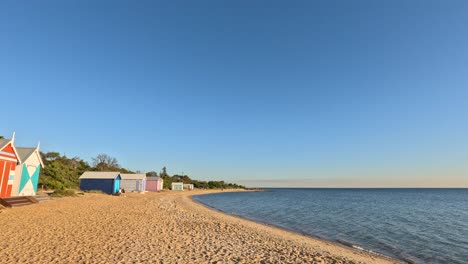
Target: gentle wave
{"points": [[414, 225]]}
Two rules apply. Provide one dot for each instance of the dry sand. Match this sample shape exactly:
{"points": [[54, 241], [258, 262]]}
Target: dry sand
{"points": [[165, 227]]}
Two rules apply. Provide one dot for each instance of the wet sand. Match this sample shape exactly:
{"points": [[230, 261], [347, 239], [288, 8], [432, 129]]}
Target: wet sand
{"points": [[165, 227]]}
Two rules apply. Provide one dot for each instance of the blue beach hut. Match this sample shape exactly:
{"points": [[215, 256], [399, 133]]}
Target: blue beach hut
{"points": [[108, 182]]}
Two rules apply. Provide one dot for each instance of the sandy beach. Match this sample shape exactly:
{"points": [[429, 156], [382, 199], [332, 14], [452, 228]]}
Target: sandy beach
{"points": [[165, 227]]}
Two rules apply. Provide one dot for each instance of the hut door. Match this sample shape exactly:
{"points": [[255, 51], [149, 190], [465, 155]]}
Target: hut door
{"points": [[137, 187], [116, 185], [7, 172]]}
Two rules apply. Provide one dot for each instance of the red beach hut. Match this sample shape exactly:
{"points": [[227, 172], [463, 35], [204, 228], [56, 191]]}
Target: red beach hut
{"points": [[8, 160]]}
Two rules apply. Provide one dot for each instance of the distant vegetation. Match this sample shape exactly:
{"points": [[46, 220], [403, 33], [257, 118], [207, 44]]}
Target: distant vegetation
{"points": [[168, 180], [62, 172]]}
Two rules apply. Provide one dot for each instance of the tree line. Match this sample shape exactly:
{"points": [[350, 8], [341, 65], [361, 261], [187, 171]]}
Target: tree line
{"points": [[61, 172], [168, 180]]}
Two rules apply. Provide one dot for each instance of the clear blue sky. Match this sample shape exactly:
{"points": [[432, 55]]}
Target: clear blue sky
{"points": [[242, 90]]}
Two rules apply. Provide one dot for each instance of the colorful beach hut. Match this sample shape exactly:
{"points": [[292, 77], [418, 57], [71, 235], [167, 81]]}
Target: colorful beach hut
{"points": [[132, 182], [154, 184], [188, 186], [108, 182], [8, 160], [27, 171], [177, 186]]}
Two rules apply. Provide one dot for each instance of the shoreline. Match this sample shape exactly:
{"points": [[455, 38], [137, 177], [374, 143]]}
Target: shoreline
{"points": [[347, 245], [164, 227], [344, 244]]}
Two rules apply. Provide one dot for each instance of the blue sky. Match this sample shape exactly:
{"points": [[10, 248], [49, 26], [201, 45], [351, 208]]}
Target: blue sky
{"points": [[242, 90]]}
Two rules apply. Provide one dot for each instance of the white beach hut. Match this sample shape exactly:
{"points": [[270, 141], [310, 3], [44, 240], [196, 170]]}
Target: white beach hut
{"points": [[27, 171], [133, 182], [177, 186], [188, 187]]}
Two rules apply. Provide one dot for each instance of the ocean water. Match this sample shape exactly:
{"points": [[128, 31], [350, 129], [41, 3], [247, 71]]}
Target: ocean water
{"points": [[416, 225]]}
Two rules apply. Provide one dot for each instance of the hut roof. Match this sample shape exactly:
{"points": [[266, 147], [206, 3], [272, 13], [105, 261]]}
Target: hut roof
{"points": [[4, 142], [25, 153], [100, 175], [177, 183], [153, 178], [133, 176]]}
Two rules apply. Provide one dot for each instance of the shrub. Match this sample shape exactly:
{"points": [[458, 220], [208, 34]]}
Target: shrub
{"points": [[94, 191], [63, 193]]}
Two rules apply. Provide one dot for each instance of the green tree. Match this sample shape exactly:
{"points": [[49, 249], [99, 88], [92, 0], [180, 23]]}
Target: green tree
{"points": [[152, 174], [104, 162], [61, 172], [164, 172], [167, 180], [186, 179]]}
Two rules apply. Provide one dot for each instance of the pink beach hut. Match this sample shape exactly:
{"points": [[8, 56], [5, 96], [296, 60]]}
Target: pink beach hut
{"points": [[154, 184]]}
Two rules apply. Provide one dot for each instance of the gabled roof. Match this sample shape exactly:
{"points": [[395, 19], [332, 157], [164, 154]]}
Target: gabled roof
{"points": [[4, 142], [133, 176], [100, 175], [153, 178], [25, 153]]}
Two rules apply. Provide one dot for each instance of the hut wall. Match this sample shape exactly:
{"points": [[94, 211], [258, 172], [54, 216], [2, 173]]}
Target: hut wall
{"points": [[8, 162], [151, 185], [27, 177], [105, 185], [159, 185], [188, 186], [29, 180], [117, 182], [154, 184], [177, 187], [17, 180], [132, 185]]}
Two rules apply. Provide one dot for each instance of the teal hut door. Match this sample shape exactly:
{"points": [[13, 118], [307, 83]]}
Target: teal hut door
{"points": [[116, 185]]}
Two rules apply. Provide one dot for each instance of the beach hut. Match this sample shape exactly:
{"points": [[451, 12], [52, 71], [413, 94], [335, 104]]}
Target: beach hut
{"points": [[132, 182], [8, 160], [27, 171], [177, 186], [154, 184], [108, 182], [188, 187]]}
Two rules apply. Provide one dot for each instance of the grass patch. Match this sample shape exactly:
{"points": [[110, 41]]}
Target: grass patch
{"points": [[63, 193], [95, 191]]}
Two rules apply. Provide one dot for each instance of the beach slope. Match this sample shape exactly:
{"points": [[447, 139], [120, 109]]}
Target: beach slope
{"points": [[165, 227]]}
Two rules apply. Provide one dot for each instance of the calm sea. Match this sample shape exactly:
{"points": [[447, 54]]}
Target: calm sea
{"points": [[417, 225]]}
